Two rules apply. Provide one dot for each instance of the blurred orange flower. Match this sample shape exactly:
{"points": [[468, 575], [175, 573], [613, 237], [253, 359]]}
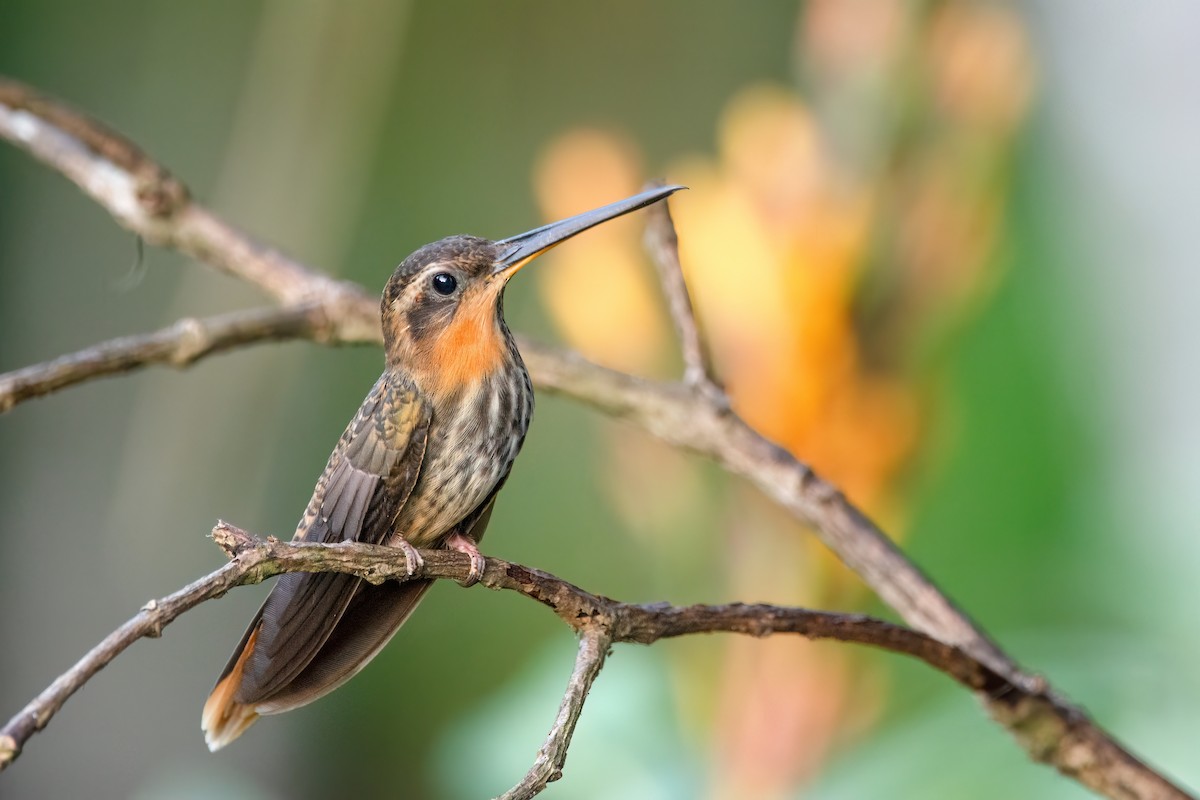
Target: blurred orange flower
{"points": [[816, 269]]}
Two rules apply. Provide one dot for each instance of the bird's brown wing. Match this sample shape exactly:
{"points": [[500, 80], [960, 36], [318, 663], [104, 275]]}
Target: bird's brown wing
{"points": [[365, 484], [370, 620]]}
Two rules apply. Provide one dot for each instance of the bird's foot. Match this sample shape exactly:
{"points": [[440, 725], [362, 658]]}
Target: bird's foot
{"points": [[412, 559], [465, 544]]}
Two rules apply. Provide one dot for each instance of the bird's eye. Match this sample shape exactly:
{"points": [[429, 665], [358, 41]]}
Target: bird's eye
{"points": [[444, 283]]}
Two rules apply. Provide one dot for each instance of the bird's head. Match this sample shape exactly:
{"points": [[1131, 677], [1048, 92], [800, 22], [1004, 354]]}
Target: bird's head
{"points": [[443, 307]]}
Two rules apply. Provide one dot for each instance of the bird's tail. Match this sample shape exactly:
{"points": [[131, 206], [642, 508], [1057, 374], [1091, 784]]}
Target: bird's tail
{"points": [[370, 619], [224, 718]]}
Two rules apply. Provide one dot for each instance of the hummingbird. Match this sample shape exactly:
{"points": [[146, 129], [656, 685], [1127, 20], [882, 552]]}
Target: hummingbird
{"points": [[419, 466]]}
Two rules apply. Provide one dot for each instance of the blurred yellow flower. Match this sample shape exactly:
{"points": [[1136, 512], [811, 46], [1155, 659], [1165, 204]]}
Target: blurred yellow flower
{"points": [[618, 324]]}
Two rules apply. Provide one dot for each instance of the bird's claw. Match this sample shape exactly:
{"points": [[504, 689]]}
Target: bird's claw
{"points": [[466, 545], [412, 559]]}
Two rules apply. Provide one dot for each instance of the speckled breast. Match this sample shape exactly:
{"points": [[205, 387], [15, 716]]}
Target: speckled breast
{"points": [[472, 444]]}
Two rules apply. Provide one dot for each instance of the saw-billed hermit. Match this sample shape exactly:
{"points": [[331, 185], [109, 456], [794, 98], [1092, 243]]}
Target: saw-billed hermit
{"points": [[419, 466]]}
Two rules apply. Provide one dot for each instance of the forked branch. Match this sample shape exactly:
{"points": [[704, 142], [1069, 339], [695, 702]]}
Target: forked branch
{"points": [[693, 415]]}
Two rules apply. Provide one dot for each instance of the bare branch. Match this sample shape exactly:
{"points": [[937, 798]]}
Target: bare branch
{"points": [[666, 410], [1037, 717], [145, 198], [178, 345], [149, 201], [548, 766], [684, 419], [663, 244]]}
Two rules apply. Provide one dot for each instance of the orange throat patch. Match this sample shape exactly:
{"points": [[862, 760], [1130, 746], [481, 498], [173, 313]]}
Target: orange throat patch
{"points": [[468, 350]]}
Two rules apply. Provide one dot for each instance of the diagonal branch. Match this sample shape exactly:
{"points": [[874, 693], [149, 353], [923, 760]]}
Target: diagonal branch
{"points": [[145, 198], [679, 417], [178, 345], [663, 244], [548, 766]]}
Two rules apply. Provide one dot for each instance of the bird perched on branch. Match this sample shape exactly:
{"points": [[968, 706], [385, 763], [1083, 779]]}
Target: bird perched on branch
{"points": [[419, 466]]}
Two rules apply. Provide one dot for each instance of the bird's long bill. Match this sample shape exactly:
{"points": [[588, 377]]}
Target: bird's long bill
{"points": [[519, 250]]}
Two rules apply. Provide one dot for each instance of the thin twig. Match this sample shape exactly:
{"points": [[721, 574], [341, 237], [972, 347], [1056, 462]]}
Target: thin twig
{"points": [[178, 345], [663, 244], [149, 201], [552, 756]]}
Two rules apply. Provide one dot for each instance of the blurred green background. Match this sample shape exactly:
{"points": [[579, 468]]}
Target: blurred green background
{"points": [[1028, 367]]}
